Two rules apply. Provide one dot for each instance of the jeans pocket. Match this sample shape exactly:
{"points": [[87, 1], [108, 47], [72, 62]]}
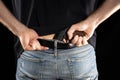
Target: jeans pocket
{"points": [[33, 67], [82, 64]]}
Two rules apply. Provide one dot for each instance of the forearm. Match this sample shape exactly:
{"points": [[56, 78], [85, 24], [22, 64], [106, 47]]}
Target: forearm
{"points": [[9, 20], [108, 8]]}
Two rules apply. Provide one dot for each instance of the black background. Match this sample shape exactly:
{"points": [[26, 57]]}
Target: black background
{"points": [[107, 49]]}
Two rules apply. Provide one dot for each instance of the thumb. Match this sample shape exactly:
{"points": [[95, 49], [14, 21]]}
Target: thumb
{"points": [[70, 33]]}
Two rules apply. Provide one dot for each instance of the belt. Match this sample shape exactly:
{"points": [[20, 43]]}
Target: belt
{"points": [[54, 43], [55, 40]]}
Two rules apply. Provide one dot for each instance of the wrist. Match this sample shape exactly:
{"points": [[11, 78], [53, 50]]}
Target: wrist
{"points": [[17, 28], [20, 29], [91, 22]]}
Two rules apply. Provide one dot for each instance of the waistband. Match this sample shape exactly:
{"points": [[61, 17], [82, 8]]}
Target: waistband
{"points": [[83, 50]]}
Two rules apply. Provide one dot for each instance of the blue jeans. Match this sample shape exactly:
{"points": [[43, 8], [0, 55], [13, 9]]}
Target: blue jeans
{"points": [[78, 63]]}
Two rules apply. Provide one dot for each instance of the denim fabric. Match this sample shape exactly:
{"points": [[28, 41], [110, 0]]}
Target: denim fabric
{"points": [[78, 63]]}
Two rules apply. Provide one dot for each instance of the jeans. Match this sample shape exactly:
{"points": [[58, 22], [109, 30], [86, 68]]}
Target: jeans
{"points": [[78, 63]]}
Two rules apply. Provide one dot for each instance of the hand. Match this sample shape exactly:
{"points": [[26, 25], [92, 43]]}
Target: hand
{"points": [[84, 31], [28, 39]]}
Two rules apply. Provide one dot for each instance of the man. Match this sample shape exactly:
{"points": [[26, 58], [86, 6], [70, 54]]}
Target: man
{"points": [[46, 20]]}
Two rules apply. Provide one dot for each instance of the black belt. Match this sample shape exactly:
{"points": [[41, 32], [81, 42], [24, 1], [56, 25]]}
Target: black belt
{"points": [[57, 41], [52, 43]]}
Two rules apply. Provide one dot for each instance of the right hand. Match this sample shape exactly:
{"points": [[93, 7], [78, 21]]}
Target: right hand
{"points": [[84, 31]]}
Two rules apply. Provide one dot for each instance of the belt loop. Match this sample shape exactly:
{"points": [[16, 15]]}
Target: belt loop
{"points": [[55, 47]]}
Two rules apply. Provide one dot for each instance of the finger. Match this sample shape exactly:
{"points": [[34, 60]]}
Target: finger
{"points": [[28, 47], [34, 45], [79, 42], [75, 39], [85, 41], [64, 40], [38, 46], [43, 48], [40, 37], [70, 33], [31, 46]]}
